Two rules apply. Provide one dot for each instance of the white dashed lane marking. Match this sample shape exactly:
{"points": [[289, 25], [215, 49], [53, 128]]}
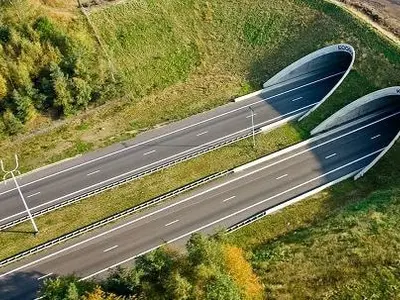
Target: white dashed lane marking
{"points": [[202, 133], [33, 195], [173, 222], [150, 152], [92, 173], [375, 137], [44, 276], [230, 198], [110, 249], [297, 99], [330, 156], [283, 176]]}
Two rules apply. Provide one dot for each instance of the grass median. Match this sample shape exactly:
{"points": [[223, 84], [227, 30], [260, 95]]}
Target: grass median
{"points": [[224, 52], [177, 59], [95, 208]]}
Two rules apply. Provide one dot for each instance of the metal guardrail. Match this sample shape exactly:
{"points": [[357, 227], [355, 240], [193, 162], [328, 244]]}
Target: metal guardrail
{"points": [[247, 221], [113, 218], [126, 180]]}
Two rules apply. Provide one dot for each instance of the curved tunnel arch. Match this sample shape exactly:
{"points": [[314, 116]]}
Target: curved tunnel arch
{"points": [[379, 104], [330, 61]]}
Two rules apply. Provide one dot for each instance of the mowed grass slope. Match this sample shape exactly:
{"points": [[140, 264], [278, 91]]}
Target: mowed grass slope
{"points": [[176, 59], [210, 52], [340, 244]]}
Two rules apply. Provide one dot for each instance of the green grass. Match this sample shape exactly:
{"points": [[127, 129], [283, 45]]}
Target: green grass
{"points": [[98, 207], [340, 244], [175, 60]]}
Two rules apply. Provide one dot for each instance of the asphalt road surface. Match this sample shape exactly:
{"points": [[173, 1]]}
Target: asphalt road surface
{"points": [[58, 183], [220, 204]]}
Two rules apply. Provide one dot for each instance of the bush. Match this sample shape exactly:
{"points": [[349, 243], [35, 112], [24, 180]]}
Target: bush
{"points": [[46, 67], [5, 34], [3, 87], [11, 123]]}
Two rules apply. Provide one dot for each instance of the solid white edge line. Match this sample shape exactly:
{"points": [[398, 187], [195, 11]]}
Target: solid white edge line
{"points": [[308, 142], [166, 208], [110, 249], [231, 215], [158, 137], [153, 163]]}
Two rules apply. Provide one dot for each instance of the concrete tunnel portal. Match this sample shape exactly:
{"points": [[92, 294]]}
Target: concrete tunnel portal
{"points": [[378, 105], [334, 61]]}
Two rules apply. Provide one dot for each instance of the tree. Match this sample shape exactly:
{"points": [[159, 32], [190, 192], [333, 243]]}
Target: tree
{"points": [[222, 287], [63, 99], [82, 92], [123, 282], [65, 288], [242, 273], [99, 294], [204, 250], [156, 267], [3, 87], [72, 292], [23, 106], [5, 34], [178, 287], [12, 124]]}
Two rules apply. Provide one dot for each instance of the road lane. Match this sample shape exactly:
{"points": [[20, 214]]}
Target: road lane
{"points": [[250, 191], [72, 181]]}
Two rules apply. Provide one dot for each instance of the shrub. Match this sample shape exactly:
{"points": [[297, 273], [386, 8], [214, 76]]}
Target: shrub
{"points": [[11, 123]]}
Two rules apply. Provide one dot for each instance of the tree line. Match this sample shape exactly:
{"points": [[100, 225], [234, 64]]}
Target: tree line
{"points": [[210, 269], [46, 70]]}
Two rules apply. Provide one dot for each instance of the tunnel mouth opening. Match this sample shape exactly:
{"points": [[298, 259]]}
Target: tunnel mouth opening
{"points": [[330, 64], [323, 63], [377, 105]]}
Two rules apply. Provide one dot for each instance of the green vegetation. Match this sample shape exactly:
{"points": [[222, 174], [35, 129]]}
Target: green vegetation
{"points": [[70, 218], [175, 59], [211, 270], [45, 68], [340, 244]]}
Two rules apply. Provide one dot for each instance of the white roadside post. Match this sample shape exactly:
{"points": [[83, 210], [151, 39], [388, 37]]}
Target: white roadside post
{"points": [[252, 125], [19, 189]]}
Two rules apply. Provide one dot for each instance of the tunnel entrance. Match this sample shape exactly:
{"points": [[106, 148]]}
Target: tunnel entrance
{"points": [[372, 108], [334, 61]]}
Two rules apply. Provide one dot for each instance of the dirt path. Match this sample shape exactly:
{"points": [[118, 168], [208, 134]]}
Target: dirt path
{"points": [[383, 15]]}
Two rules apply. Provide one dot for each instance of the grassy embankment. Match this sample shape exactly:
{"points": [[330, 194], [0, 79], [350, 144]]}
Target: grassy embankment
{"points": [[340, 244], [209, 53]]}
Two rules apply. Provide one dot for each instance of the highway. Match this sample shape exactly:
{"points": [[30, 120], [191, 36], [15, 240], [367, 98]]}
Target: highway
{"points": [[220, 204], [156, 148]]}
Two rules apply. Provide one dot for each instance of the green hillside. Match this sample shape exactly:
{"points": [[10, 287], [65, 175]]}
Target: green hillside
{"points": [[173, 59]]}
